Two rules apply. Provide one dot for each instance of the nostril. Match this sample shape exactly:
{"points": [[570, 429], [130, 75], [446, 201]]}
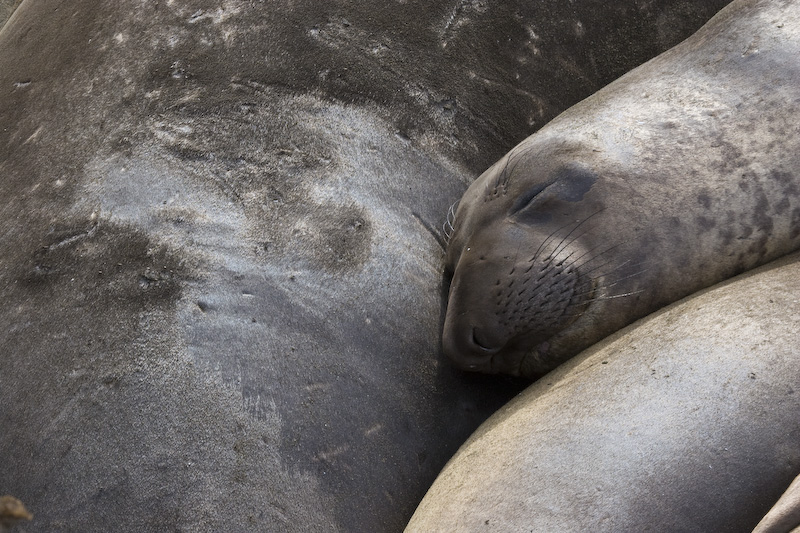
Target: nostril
{"points": [[477, 341], [482, 342]]}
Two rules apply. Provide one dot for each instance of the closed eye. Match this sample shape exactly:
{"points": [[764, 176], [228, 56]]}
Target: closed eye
{"points": [[573, 180], [524, 200]]}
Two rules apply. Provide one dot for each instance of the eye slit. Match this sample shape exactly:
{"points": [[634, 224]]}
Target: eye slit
{"points": [[525, 199]]}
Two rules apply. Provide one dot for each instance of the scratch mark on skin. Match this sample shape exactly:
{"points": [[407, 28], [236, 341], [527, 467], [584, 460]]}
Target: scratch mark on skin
{"points": [[317, 387], [494, 83], [73, 238], [217, 16], [329, 455], [458, 16], [33, 135], [456, 10], [374, 429]]}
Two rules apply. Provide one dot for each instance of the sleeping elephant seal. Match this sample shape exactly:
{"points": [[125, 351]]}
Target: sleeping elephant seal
{"points": [[219, 267], [686, 421], [682, 173]]}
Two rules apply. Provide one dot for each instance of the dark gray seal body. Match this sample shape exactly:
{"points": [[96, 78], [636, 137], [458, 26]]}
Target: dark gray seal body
{"points": [[685, 421], [218, 268], [684, 172]]}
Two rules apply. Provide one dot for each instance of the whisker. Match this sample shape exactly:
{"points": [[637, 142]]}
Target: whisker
{"points": [[451, 213], [544, 242], [626, 277], [581, 223], [514, 153], [615, 269], [564, 243], [579, 294], [601, 265], [597, 289], [599, 255], [561, 262], [450, 222], [576, 315], [572, 241], [606, 286], [598, 298], [587, 252], [503, 177], [615, 296]]}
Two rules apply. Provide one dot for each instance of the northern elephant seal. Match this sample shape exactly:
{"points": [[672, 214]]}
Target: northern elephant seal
{"points": [[682, 173], [200, 202], [685, 421]]}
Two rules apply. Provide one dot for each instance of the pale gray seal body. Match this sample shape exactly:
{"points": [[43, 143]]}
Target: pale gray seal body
{"points": [[682, 173], [685, 421]]}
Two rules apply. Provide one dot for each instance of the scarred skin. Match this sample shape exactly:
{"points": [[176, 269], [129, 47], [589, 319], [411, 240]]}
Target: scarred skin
{"points": [[681, 174]]}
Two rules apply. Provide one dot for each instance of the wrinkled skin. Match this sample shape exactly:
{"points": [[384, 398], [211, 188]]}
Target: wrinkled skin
{"points": [[681, 174]]}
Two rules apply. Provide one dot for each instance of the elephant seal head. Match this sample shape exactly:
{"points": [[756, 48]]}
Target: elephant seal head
{"points": [[523, 252]]}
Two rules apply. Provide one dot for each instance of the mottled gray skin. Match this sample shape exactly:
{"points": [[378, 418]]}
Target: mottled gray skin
{"points": [[219, 265], [682, 173], [686, 421]]}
